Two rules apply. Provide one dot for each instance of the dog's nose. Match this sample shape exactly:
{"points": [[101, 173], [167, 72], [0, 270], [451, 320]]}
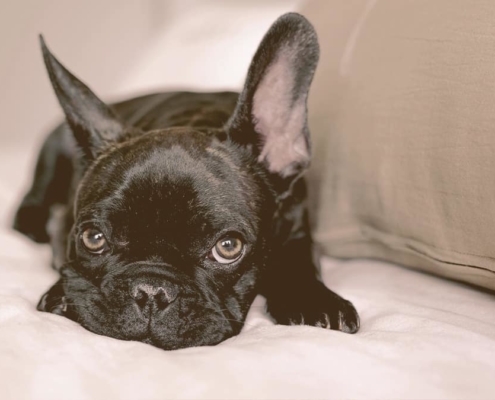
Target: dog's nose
{"points": [[159, 296]]}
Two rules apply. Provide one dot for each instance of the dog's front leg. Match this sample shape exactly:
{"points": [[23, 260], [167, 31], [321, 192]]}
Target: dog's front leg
{"points": [[54, 301], [295, 295]]}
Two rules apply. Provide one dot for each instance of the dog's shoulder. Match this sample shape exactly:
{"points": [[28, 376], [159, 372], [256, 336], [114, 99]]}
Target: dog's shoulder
{"points": [[171, 109]]}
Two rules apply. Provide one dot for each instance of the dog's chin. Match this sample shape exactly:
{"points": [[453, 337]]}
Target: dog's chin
{"points": [[185, 325], [209, 335], [167, 334]]}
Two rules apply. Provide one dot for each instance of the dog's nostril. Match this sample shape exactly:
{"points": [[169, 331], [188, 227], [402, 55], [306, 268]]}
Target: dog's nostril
{"points": [[145, 294], [140, 297], [162, 299]]}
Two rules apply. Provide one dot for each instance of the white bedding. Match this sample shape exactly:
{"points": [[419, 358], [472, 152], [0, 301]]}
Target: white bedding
{"points": [[421, 337]]}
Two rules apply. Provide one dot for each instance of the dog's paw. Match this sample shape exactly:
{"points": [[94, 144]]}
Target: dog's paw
{"points": [[54, 301], [317, 306]]}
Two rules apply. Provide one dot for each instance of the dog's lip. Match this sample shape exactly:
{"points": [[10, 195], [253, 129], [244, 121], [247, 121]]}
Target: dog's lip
{"points": [[152, 339], [156, 343]]}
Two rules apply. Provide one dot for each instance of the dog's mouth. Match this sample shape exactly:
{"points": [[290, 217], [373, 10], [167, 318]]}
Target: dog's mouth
{"points": [[151, 317]]}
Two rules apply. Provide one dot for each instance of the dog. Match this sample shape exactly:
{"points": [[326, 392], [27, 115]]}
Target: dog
{"points": [[168, 213]]}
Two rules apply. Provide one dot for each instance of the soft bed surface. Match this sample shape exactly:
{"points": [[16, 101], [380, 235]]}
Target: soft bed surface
{"points": [[421, 337]]}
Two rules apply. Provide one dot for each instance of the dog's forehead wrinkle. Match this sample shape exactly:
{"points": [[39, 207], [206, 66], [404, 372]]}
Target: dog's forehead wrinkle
{"points": [[218, 150], [239, 163], [176, 186], [185, 170], [171, 164]]}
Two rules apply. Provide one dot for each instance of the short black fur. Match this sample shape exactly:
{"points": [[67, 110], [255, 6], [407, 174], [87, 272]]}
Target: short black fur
{"points": [[162, 178]]}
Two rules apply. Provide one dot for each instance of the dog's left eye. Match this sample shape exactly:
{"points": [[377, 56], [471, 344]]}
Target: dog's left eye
{"points": [[94, 240], [227, 250]]}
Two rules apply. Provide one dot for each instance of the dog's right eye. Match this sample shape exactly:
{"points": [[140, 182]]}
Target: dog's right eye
{"points": [[227, 250], [94, 240]]}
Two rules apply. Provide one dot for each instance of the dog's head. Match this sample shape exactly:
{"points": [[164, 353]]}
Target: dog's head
{"points": [[174, 228]]}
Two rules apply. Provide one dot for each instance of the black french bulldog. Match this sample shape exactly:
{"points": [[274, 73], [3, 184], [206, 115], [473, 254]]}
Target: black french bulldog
{"points": [[170, 212]]}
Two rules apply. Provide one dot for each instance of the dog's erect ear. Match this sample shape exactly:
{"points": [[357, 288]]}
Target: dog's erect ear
{"points": [[271, 114], [93, 123]]}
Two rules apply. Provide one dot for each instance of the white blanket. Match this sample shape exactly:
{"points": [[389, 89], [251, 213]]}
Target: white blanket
{"points": [[421, 337]]}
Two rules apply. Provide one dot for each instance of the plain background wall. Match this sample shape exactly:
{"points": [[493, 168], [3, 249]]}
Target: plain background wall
{"points": [[120, 48]]}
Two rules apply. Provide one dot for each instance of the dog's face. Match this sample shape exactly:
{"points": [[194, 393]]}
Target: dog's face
{"points": [[169, 239], [174, 228]]}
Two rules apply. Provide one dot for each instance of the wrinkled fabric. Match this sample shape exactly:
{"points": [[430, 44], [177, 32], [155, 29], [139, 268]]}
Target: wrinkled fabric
{"points": [[421, 337], [401, 116]]}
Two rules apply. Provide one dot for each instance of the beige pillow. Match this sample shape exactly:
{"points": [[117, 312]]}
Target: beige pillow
{"points": [[402, 115]]}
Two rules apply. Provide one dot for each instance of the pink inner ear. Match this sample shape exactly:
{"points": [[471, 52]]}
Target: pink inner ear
{"points": [[279, 120]]}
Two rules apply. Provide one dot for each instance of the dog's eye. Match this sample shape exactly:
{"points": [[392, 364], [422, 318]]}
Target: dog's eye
{"points": [[227, 250], [94, 240]]}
